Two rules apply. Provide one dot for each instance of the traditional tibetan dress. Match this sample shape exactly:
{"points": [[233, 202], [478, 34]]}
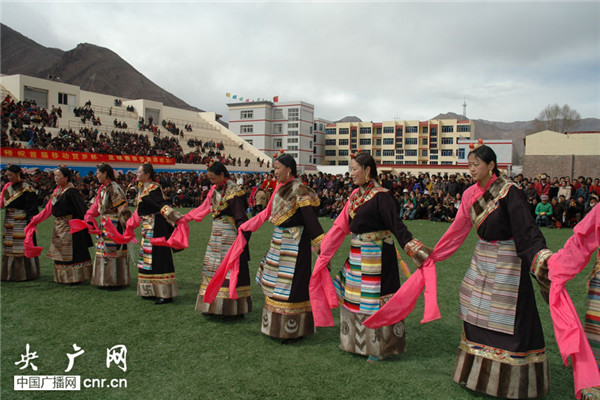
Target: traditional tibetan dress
{"points": [[20, 202], [284, 272], [72, 261], [575, 341], [111, 265], [502, 351], [370, 275], [228, 208], [156, 272]]}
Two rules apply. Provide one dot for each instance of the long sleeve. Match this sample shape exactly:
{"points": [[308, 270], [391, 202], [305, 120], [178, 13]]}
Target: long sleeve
{"points": [[570, 336]]}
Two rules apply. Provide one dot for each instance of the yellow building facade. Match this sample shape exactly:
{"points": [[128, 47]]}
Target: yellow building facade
{"points": [[433, 142]]}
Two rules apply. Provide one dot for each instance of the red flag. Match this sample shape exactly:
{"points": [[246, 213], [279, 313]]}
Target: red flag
{"points": [[276, 99]]}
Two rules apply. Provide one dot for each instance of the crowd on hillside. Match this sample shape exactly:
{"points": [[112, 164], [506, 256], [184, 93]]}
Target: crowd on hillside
{"points": [[565, 201]]}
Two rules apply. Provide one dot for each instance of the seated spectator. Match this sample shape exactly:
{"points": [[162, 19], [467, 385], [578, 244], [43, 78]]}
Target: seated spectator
{"points": [[543, 212]]}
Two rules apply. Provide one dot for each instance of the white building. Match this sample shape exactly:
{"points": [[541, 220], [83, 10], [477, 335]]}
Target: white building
{"points": [[271, 127], [502, 148]]}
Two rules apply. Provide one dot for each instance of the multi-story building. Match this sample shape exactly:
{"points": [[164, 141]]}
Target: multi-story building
{"points": [[274, 126], [319, 140], [502, 147], [433, 142]]}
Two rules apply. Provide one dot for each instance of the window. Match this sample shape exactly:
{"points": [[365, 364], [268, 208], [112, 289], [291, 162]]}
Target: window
{"points": [[343, 142], [246, 128], [388, 141], [424, 153], [343, 152], [447, 129], [295, 155], [345, 162], [461, 154], [277, 128], [433, 163], [388, 129], [411, 141], [378, 142], [292, 140], [310, 159], [249, 141], [277, 143], [446, 162], [433, 131], [433, 140], [399, 157], [278, 113], [63, 98], [388, 153], [344, 131], [292, 148], [412, 129], [446, 153], [388, 162], [364, 142], [378, 153], [447, 140], [364, 131], [293, 125], [410, 153], [424, 141], [433, 157], [293, 114], [330, 131], [331, 162], [463, 128], [247, 114], [424, 129], [330, 142], [330, 153], [292, 133]]}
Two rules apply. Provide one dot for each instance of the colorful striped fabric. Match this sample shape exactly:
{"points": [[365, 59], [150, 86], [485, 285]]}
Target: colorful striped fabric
{"points": [[145, 260], [276, 270], [13, 232], [489, 290], [222, 236], [358, 284], [592, 315]]}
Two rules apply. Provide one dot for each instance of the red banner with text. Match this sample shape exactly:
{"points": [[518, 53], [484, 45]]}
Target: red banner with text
{"points": [[66, 156]]}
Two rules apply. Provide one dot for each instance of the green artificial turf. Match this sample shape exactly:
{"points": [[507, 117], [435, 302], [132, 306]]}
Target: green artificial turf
{"points": [[174, 352]]}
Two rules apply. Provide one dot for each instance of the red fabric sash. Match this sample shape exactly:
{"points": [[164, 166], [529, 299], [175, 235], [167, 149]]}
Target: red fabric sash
{"points": [[29, 248]]}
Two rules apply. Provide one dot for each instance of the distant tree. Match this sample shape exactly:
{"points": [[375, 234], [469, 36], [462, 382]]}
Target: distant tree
{"points": [[556, 118]]}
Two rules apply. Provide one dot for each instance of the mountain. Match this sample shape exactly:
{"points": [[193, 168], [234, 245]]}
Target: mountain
{"points": [[91, 67]]}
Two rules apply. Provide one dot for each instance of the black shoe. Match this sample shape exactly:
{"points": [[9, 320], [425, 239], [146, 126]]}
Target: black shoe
{"points": [[163, 300]]}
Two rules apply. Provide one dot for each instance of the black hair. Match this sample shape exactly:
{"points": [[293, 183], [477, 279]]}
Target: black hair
{"points": [[366, 160], [108, 170], [289, 162], [487, 155], [218, 168], [66, 172], [149, 169], [15, 169]]}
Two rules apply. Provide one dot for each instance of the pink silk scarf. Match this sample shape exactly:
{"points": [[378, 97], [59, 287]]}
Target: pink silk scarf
{"points": [[321, 290], [179, 239], [403, 302], [89, 221], [570, 335], [29, 248]]}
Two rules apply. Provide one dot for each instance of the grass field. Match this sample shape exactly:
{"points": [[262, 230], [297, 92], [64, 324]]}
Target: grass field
{"points": [[174, 352]]}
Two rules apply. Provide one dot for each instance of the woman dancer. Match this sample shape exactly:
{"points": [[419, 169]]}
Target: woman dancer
{"points": [[20, 201], [370, 275], [502, 351]]}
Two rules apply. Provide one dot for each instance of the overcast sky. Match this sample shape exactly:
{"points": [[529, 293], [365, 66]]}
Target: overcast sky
{"points": [[375, 60]]}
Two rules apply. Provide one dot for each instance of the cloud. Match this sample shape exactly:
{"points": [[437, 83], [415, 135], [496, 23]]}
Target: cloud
{"points": [[377, 60]]}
